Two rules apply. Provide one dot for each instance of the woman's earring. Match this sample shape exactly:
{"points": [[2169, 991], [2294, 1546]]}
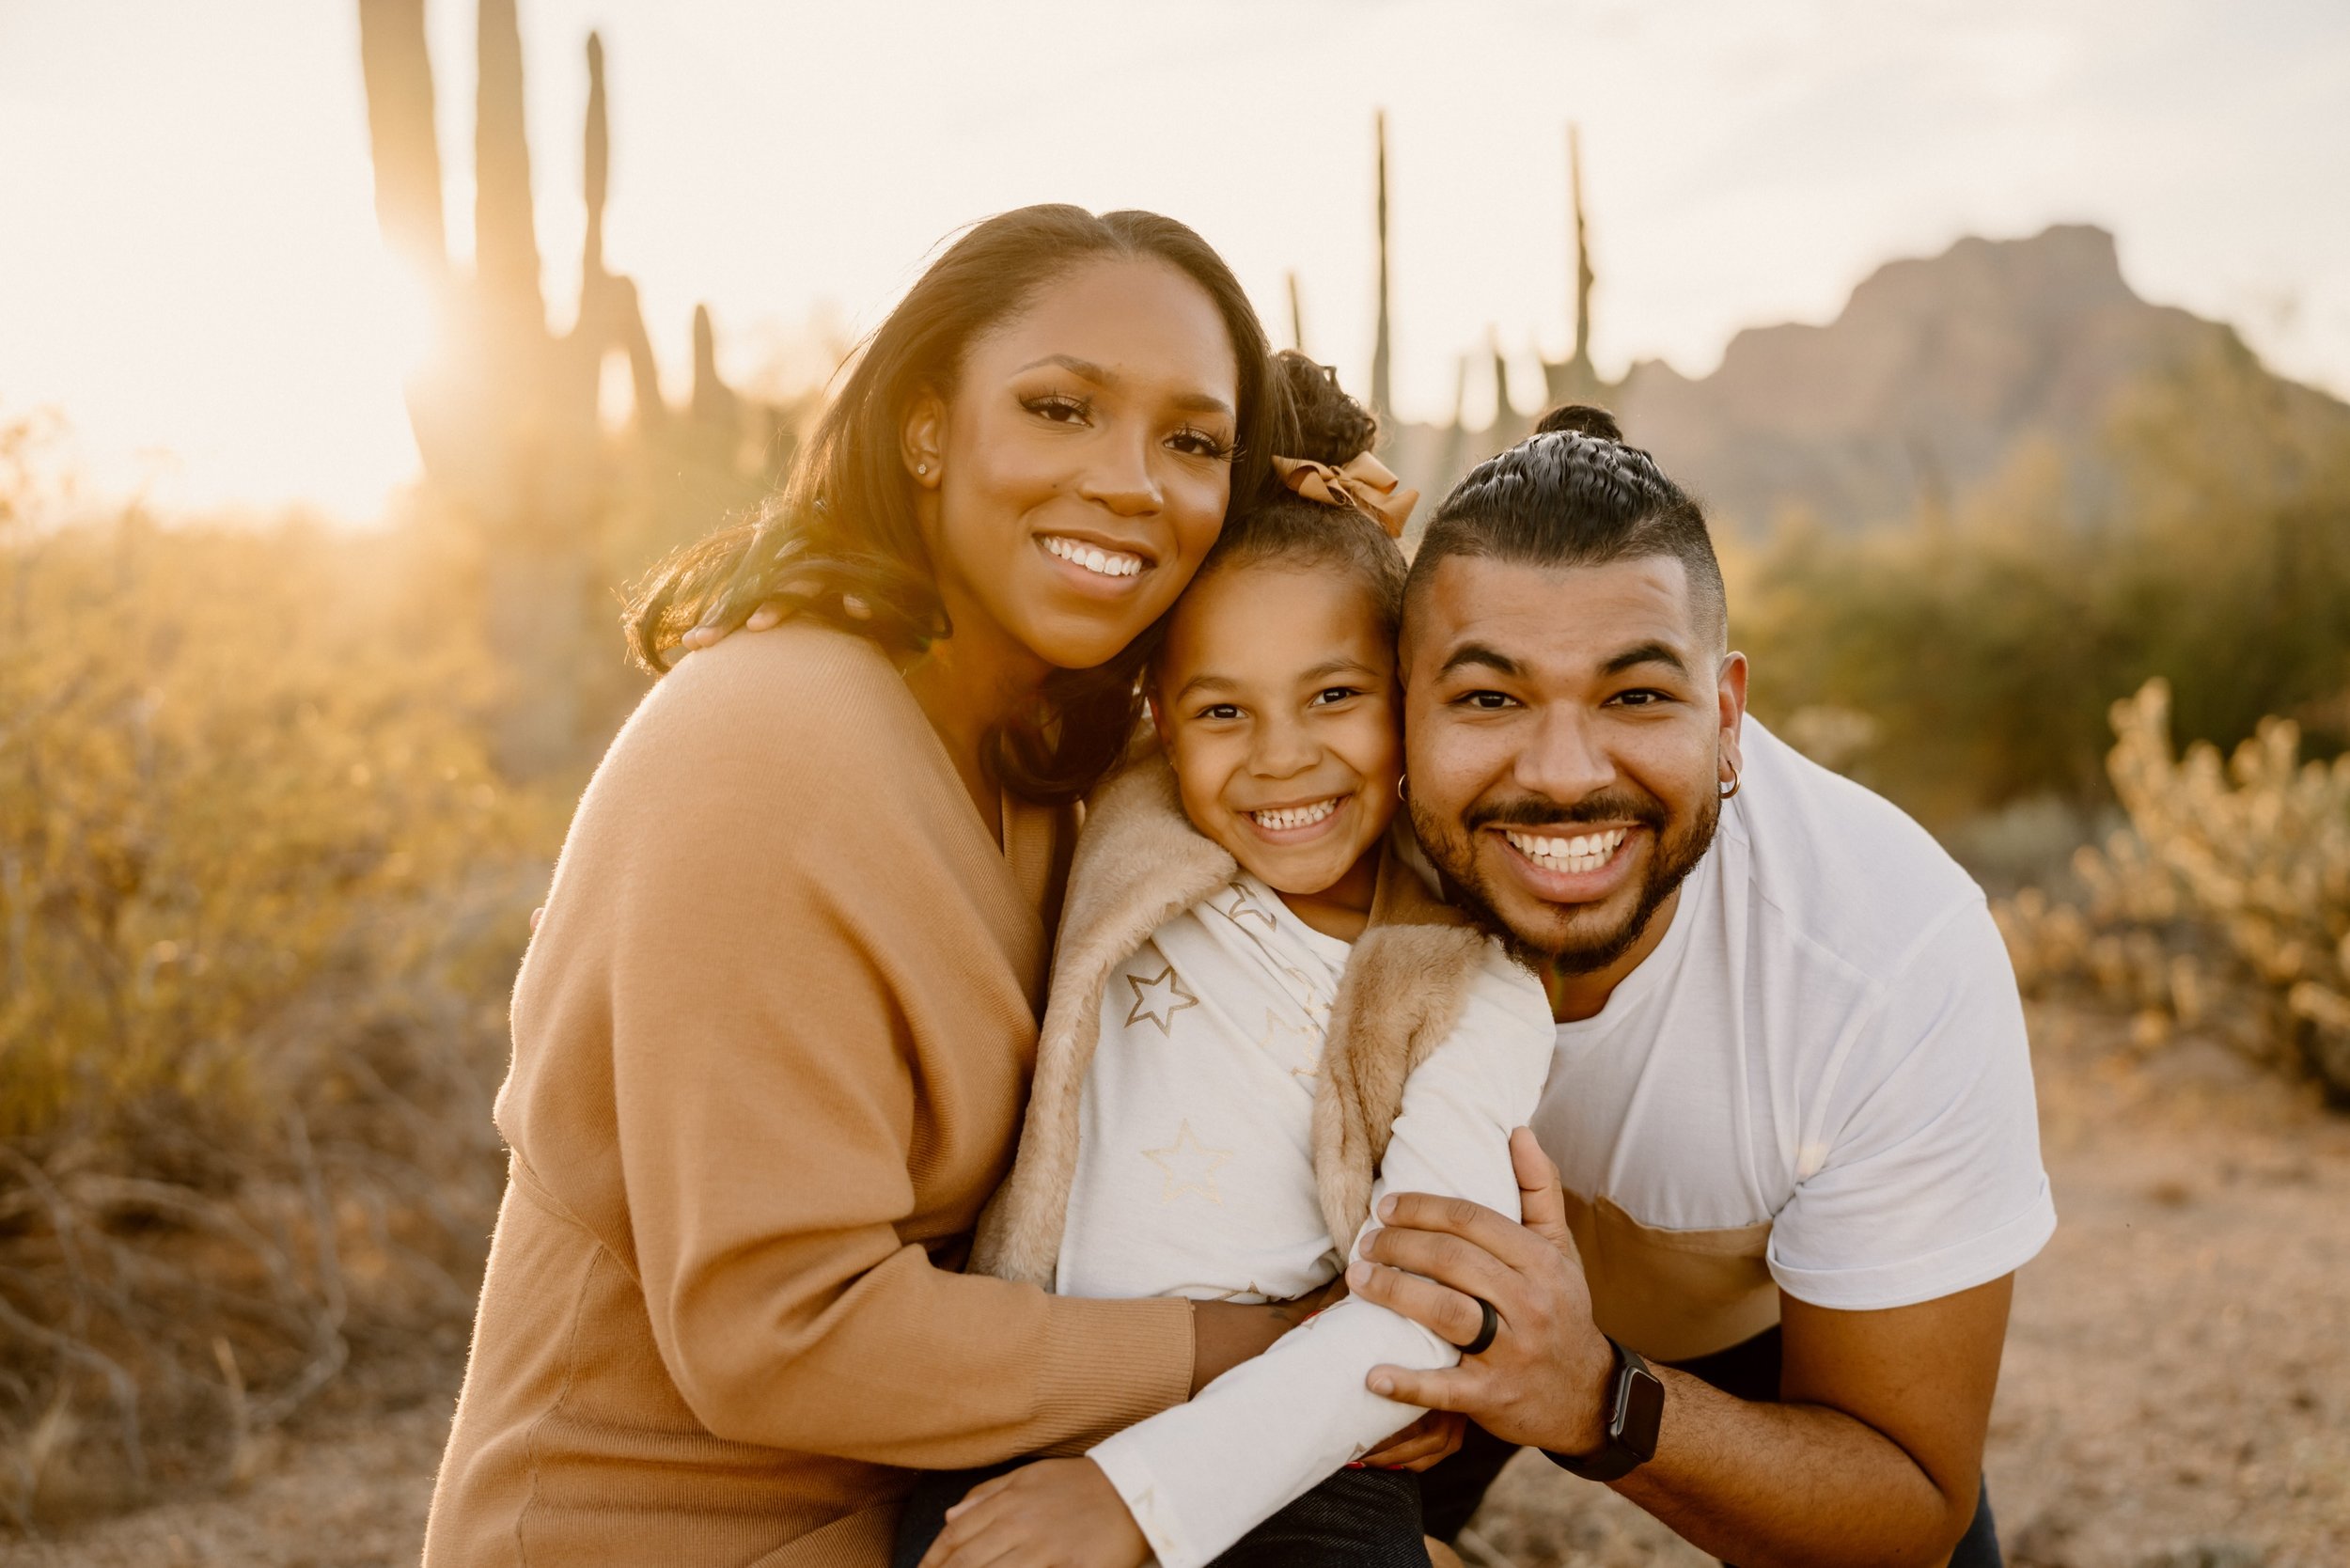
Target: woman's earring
{"points": [[1732, 788], [1403, 789], [921, 468]]}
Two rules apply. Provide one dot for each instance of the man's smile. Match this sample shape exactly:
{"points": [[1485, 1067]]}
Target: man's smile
{"points": [[1573, 864]]}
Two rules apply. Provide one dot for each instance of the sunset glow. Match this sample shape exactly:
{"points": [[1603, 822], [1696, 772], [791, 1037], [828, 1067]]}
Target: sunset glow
{"points": [[200, 290]]}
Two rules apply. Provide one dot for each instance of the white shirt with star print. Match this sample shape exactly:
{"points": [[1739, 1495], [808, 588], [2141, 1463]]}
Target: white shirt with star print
{"points": [[1195, 1178]]}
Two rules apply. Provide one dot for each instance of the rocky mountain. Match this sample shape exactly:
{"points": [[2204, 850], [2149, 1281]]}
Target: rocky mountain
{"points": [[1937, 374]]}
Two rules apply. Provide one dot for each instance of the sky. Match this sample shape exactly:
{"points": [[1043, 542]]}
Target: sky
{"points": [[190, 274]]}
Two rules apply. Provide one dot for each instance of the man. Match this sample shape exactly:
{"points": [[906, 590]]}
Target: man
{"points": [[1792, 1104]]}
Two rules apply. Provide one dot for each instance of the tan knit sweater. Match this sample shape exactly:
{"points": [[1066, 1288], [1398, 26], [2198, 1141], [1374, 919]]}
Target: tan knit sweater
{"points": [[771, 1046]]}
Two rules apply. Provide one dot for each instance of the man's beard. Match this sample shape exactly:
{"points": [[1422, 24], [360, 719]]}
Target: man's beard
{"points": [[1675, 855]]}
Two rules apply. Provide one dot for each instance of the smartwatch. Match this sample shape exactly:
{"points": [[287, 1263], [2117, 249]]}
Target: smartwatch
{"points": [[1636, 1408]]}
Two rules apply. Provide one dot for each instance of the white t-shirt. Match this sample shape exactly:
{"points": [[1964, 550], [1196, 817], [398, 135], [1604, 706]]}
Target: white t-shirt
{"points": [[1195, 1160], [1195, 1178], [1827, 1039]]}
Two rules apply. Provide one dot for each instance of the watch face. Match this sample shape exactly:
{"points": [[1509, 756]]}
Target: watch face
{"points": [[1641, 1413]]}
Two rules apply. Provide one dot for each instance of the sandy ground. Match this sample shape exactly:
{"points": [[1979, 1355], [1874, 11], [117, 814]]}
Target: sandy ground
{"points": [[2176, 1391]]}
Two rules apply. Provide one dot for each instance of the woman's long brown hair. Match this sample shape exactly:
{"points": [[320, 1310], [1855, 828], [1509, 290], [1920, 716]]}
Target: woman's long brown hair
{"points": [[843, 525]]}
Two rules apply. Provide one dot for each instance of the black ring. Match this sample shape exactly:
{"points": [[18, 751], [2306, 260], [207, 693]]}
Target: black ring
{"points": [[1486, 1331]]}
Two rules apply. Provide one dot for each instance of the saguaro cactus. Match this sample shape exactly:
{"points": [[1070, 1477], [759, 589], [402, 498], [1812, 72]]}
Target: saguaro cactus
{"points": [[1434, 456], [1509, 424], [1574, 379], [506, 419], [610, 318], [398, 68], [506, 242]]}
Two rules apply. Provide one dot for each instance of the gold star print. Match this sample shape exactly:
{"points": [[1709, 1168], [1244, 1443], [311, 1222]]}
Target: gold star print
{"points": [[1317, 1006], [1160, 1006], [1189, 1166], [1247, 1294], [1291, 1044], [1243, 906]]}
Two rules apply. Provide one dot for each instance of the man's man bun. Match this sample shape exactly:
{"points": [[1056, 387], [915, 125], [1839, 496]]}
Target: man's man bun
{"points": [[1575, 494], [1579, 419]]}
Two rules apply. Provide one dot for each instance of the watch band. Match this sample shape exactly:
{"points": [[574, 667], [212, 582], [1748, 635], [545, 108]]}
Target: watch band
{"points": [[1636, 1408]]}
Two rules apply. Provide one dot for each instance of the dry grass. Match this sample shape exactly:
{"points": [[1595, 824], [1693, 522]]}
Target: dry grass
{"points": [[259, 897]]}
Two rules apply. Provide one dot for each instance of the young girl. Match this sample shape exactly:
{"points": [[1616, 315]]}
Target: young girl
{"points": [[1256, 1008]]}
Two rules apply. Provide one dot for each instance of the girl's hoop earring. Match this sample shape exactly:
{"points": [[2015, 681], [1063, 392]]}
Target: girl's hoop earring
{"points": [[1732, 788], [1403, 788]]}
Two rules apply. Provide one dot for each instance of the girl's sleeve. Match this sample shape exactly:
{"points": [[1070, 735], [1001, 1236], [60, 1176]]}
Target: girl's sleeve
{"points": [[1200, 1476]]}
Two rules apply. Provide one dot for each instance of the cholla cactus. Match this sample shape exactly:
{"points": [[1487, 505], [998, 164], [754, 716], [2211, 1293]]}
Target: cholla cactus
{"points": [[2232, 884]]}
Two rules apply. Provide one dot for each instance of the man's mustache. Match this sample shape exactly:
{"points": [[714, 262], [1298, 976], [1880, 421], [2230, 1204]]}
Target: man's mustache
{"points": [[1541, 812]]}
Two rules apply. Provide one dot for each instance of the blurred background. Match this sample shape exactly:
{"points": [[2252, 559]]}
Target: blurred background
{"points": [[354, 354]]}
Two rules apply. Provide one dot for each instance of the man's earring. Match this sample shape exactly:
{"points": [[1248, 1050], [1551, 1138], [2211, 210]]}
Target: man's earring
{"points": [[1731, 787]]}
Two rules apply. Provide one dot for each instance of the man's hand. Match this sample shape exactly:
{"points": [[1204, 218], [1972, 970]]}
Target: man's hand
{"points": [[1054, 1513], [1434, 1438], [1870, 1456], [1542, 1381]]}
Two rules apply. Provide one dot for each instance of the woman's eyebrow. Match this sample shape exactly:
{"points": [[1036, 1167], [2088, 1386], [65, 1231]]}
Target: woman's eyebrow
{"points": [[1100, 375], [1071, 363]]}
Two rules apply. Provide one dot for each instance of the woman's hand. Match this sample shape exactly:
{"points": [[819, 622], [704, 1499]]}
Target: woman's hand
{"points": [[1433, 1437], [1226, 1333], [1054, 1513]]}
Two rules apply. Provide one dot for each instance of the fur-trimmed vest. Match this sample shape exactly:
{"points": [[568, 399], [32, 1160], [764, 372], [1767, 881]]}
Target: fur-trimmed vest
{"points": [[1138, 865]]}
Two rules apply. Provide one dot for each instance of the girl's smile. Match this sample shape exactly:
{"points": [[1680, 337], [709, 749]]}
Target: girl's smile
{"points": [[1275, 698]]}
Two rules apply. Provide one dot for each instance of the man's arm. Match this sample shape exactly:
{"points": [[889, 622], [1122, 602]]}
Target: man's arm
{"points": [[1875, 1459], [1876, 1455]]}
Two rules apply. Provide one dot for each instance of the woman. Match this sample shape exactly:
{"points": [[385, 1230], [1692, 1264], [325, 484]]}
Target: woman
{"points": [[773, 1037]]}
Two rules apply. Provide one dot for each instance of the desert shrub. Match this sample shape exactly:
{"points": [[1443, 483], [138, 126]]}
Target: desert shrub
{"points": [[1983, 654], [2224, 906], [261, 898]]}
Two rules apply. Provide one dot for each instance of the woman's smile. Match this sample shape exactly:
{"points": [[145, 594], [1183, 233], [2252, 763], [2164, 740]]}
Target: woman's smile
{"points": [[1084, 463], [1096, 563]]}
